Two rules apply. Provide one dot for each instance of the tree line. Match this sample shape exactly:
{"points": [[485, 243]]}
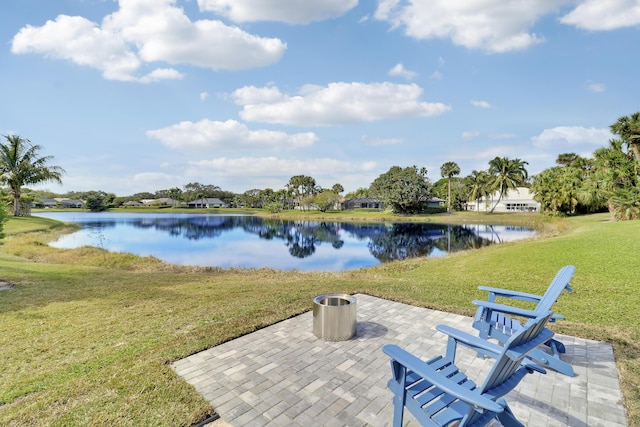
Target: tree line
{"points": [[609, 180]]}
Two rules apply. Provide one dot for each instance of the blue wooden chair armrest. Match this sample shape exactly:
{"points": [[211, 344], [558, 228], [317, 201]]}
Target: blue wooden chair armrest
{"points": [[507, 309], [544, 336], [422, 369], [514, 311], [471, 341], [505, 293]]}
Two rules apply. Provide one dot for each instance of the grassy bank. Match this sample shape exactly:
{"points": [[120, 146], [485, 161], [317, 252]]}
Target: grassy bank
{"points": [[86, 336]]}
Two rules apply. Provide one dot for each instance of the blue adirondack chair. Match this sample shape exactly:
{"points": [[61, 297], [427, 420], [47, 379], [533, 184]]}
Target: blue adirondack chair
{"points": [[494, 320], [437, 392]]}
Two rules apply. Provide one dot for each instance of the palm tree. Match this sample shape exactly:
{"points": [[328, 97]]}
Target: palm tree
{"points": [[448, 170], [508, 174], [480, 183], [628, 128], [613, 170], [21, 165]]}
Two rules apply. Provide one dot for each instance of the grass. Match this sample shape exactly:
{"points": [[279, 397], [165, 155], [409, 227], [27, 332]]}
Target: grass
{"points": [[86, 336]]}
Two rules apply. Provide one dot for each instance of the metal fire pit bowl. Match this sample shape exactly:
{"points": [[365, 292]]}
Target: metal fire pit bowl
{"points": [[334, 317]]}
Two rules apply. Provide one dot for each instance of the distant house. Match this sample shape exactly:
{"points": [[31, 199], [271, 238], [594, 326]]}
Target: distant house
{"points": [[162, 201], [363, 203], [518, 200], [209, 202], [60, 202], [71, 203], [436, 202], [373, 203], [46, 203], [132, 204]]}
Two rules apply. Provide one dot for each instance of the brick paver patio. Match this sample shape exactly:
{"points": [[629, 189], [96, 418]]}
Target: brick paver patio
{"points": [[283, 375]]}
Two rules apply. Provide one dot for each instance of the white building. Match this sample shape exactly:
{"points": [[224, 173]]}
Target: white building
{"points": [[518, 200]]}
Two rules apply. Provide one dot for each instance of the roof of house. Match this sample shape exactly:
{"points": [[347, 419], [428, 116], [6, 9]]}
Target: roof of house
{"points": [[208, 201]]}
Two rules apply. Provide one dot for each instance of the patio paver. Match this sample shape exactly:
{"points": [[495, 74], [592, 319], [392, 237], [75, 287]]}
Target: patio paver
{"points": [[283, 375]]}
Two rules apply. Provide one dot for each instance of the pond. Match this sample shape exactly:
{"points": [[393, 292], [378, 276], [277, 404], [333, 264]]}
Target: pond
{"points": [[245, 241]]}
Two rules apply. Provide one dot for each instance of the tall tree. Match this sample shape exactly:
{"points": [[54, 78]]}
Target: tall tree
{"points": [[480, 183], [567, 159], [301, 186], [508, 174], [404, 190], [448, 170], [628, 128], [613, 170], [557, 189], [20, 165]]}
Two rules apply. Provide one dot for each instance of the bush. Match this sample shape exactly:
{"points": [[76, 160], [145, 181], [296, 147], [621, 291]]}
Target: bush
{"points": [[3, 217], [274, 207]]}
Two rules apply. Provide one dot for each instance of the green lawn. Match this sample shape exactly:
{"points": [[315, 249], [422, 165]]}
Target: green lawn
{"points": [[86, 336]]}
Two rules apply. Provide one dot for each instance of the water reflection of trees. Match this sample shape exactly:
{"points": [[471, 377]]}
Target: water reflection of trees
{"points": [[404, 241], [386, 242]]}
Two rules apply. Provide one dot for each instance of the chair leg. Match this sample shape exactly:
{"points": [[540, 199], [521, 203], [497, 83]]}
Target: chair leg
{"points": [[506, 418], [397, 385], [556, 346]]}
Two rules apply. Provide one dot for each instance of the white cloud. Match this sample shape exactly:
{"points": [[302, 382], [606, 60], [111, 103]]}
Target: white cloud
{"points": [[571, 136], [480, 104], [161, 74], [470, 134], [399, 70], [337, 103], [436, 75], [143, 32], [204, 96], [228, 135], [291, 12], [490, 25], [273, 166], [599, 15], [596, 87]]}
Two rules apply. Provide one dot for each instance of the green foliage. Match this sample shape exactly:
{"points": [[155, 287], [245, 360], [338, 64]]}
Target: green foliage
{"points": [[479, 184], [403, 190], [628, 128], [459, 192], [326, 200], [97, 201], [432, 210], [627, 203], [251, 198], [360, 193], [507, 175], [3, 218], [274, 207], [21, 165], [609, 180], [448, 170], [557, 189]]}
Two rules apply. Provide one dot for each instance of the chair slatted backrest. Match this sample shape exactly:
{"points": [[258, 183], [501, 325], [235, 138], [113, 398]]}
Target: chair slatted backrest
{"points": [[559, 284], [514, 351]]}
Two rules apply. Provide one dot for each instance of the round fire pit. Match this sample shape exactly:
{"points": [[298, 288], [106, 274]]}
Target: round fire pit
{"points": [[334, 317]]}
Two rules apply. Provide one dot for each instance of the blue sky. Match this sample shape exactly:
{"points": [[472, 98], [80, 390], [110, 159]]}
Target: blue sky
{"points": [[143, 95]]}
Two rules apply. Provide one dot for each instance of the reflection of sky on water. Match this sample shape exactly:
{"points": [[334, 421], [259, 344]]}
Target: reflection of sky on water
{"points": [[250, 242]]}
